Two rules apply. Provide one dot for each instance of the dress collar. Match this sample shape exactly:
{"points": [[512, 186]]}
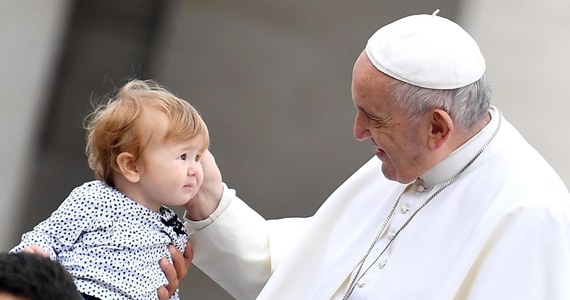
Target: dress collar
{"points": [[460, 156]]}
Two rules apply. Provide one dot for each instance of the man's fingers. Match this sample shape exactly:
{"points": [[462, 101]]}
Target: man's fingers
{"points": [[34, 249], [188, 255], [178, 261], [171, 277], [176, 271], [181, 261], [163, 293]]}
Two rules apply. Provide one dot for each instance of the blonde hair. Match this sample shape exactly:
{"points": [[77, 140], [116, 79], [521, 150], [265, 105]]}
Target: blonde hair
{"points": [[118, 125]]}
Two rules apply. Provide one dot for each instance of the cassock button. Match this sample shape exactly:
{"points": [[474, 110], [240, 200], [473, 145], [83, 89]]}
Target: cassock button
{"points": [[382, 264], [404, 208], [361, 284], [391, 234], [420, 188]]}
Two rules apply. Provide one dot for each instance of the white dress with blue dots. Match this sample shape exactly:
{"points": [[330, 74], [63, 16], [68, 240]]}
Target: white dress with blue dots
{"points": [[110, 244]]}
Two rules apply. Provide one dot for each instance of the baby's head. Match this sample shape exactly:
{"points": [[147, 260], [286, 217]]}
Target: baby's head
{"points": [[146, 139]]}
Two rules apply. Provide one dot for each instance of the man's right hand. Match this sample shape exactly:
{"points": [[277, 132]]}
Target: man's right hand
{"points": [[210, 193], [175, 271]]}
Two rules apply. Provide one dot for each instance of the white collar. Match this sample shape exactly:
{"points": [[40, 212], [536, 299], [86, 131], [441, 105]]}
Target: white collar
{"points": [[460, 156]]}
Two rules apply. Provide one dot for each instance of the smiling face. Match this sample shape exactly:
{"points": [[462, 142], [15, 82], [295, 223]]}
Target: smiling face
{"points": [[169, 170], [401, 146]]}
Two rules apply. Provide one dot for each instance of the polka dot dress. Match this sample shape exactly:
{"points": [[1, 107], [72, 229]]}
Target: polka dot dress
{"points": [[110, 244]]}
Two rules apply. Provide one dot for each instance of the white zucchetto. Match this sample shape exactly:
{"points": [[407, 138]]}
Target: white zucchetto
{"points": [[427, 51]]}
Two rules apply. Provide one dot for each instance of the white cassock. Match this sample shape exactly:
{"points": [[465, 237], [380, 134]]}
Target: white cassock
{"points": [[501, 230]]}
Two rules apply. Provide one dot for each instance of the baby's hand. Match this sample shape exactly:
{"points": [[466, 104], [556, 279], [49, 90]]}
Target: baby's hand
{"points": [[35, 249]]}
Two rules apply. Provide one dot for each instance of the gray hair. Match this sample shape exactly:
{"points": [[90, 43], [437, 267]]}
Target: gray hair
{"points": [[466, 105]]}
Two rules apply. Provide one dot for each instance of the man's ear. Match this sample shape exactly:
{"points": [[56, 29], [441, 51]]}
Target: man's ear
{"points": [[441, 129], [128, 167]]}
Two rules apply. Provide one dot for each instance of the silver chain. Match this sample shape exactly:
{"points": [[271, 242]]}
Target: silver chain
{"points": [[358, 276]]}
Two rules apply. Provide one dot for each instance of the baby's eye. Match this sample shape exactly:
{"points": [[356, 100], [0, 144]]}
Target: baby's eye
{"points": [[197, 158], [183, 156]]}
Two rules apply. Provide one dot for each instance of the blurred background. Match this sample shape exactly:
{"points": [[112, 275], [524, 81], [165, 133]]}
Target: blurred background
{"points": [[271, 79]]}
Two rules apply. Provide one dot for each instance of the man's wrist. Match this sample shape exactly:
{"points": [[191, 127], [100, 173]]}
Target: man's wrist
{"points": [[201, 208], [197, 221]]}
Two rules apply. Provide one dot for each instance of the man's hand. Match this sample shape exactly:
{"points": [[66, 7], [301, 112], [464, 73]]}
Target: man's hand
{"points": [[210, 193], [35, 249], [175, 273]]}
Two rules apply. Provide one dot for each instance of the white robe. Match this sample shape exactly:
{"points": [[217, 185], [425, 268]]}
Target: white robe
{"points": [[501, 231]]}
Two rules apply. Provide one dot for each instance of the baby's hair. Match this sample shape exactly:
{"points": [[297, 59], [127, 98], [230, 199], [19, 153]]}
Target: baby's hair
{"points": [[118, 125]]}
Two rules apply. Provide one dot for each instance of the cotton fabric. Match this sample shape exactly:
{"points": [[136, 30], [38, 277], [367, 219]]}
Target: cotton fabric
{"points": [[110, 244]]}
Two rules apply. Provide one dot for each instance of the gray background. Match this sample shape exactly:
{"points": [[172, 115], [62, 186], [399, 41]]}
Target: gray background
{"points": [[271, 79]]}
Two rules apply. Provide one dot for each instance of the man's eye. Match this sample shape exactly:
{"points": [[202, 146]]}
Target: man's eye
{"points": [[378, 122], [197, 158], [183, 156]]}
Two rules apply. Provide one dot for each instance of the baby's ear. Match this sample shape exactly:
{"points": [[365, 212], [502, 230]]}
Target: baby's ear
{"points": [[128, 167]]}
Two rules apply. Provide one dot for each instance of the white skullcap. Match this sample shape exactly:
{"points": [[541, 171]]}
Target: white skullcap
{"points": [[427, 51]]}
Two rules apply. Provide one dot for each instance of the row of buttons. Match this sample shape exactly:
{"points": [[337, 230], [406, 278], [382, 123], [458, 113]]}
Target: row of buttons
{"points": [[404, 208]]}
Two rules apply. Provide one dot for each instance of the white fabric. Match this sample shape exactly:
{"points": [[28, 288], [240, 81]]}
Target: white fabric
{"points": [[502, 231], [427, 51], [193, 226]]}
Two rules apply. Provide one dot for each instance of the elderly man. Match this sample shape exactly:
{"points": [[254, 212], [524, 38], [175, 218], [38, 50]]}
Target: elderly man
{"points": [[454, 205]]}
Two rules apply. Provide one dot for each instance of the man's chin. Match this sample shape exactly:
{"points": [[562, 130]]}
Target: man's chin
{"points": [[392, 175], [388, 172]]}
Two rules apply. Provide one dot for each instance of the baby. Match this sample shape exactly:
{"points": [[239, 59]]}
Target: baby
{"points": [[144, 147]]}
